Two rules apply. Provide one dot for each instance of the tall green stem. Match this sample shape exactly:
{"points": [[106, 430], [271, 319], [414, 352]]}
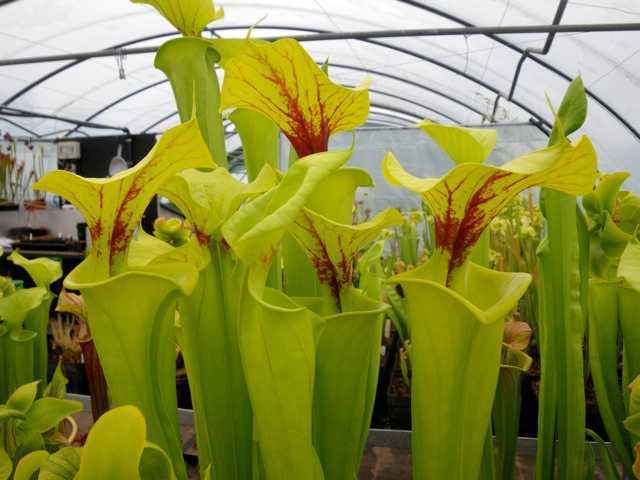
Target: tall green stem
{"points": [[562, 328], [188, 63], [208, 337]]}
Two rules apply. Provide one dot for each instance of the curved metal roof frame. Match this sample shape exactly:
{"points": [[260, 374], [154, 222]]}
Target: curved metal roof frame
{"points": [[525, 54], [316, 31], [373, 104], [426, 58], [162, 82]]}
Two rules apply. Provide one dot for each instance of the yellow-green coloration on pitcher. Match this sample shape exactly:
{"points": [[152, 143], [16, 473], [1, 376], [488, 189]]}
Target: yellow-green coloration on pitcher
{"points": [[112, 208], [456, 345]]}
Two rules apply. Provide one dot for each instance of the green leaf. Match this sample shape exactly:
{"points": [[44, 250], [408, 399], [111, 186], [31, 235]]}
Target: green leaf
{"points": [[6, 466], [282, 82], [46, 413], [155, 464], [603, 329], [14, 308], [629, 267], [62, 465], [112, 207], [43, 271], [208, 199], [22, 399], [190, 17], [462, 145], [255, 230], [114, 446], [604, 197], [30, 464], [572, 112]]}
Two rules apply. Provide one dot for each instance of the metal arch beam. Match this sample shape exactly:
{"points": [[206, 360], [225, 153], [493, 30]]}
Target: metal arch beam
{"points": [[300, 29], [273, 27], [412, 83], [151, 37], [161, 82], [398, 97], [67, 66], [166, 117], [373, 104], [16, 124], [17, 112], [116, 102], [521, 51], [317, 31]]}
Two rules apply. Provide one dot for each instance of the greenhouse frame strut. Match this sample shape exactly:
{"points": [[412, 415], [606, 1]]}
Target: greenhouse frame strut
{"points": [[428, 32]]}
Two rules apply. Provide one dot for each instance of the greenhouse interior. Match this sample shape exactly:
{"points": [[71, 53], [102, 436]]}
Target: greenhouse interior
{"points": [[319, 240]]}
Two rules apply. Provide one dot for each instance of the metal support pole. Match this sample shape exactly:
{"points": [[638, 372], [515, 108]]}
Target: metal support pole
{"points": [[18, 112], [16, 124], [419, 32]]}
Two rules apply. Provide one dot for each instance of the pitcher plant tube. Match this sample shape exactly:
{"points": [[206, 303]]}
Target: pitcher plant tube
{"points": [[456, 346]]}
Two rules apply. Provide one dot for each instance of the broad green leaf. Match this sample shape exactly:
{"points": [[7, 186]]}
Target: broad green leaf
{"points": [[62, 465], [189, 17], [466, 199], [208, 199], [604, 317], [282, 82], [572, 112], [636, 464], [113, 206], [629, 267], [30, 464], [255, 230], [14, 308], [333, 247], [23, 397], [8, 413], [155, 464], [628, 212], [370, 271], [46, 413], [6, 466], [462, 145], [43, 271], [604, 196], [6, 286], [114, 446]]}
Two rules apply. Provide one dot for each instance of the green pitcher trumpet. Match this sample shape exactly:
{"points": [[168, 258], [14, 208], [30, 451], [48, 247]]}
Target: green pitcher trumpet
{"points": [[456, 345]]}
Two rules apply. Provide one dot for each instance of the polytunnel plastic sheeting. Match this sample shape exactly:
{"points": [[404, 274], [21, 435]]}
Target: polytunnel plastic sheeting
{"points": [[440, 78]]}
